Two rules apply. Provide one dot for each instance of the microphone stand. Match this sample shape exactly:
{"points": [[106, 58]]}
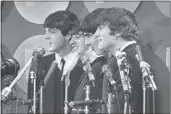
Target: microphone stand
{"points": [[145, 86], [33, 76], [148, 82], [41, 95], [147, 77], [66, 108], [87, 88], [144, 95], [109, 100], [124, 69], [148, 99], [67, 84], [127, 92], [86, 101], [87, 98]]}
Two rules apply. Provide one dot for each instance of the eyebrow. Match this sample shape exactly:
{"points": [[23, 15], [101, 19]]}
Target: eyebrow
{"points": [[96, 36], [88, 34], [53, 29], [101, 27]]}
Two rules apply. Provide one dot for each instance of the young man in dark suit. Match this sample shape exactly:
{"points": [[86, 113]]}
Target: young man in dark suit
{"points": [[96, 57], [59, 28], [119, 30]]}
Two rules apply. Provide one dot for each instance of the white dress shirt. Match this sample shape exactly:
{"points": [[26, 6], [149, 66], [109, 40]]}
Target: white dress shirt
{"points": [[92, 55], [58, 59]]}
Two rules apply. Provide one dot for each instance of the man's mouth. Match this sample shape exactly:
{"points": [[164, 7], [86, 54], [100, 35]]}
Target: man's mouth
{"points": [[74, 46], [99, 40], [50, 43]]}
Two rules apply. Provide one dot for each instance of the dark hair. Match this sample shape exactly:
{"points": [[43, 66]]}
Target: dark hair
{"points": [[64, 20], [120, 20], [90, 24]]}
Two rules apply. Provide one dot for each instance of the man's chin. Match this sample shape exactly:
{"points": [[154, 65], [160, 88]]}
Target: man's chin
{"points": [[79, 51], [100, 49], [99, 52], [51, 50]]}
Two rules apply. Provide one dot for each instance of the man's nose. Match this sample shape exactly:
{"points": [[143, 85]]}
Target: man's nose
{"points": [[46, 36], [87, 42], [73, 40]]}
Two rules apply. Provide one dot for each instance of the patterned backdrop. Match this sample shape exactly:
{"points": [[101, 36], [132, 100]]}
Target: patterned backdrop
{"points": [[22, 29]]}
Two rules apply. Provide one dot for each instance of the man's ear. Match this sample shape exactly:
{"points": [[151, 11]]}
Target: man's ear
{"points": [[68, 36], [117, 35], [87, 41]]}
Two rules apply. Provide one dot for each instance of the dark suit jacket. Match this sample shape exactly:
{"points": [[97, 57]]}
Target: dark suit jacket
{"points": [[52, 90], [161, 78], [95, 92]]}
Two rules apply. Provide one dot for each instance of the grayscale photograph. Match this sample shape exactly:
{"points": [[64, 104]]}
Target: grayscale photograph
{"points": [[85, 57]]}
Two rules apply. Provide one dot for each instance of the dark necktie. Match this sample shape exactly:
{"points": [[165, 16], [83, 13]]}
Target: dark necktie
{"points": [[63, 64], [62, 87]]}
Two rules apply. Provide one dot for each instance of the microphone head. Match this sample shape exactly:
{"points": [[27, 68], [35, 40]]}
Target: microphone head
{"points": [[71, 104], [107, 70], [39, 52], [84, 58], [120, 54], [10, 67], [139, 52], [104, 68]]}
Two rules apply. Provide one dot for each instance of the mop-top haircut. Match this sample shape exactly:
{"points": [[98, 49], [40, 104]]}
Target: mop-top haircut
{"points": [[65, 21], [121, 21], [90, 23]]}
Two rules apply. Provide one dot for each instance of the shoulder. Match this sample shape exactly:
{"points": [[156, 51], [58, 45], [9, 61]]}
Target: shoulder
{"points": [[49, 57], [98, 63], [46, 61]]}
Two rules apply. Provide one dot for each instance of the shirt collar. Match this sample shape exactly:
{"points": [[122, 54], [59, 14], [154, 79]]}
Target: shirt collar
{"points": [[127, 44], [92, 55], [58, 58]]}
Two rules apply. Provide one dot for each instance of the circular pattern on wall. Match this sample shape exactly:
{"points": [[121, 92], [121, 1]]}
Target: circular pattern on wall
{"points": [[164, 7], [36, 12], [24, 52], [92, 5]]}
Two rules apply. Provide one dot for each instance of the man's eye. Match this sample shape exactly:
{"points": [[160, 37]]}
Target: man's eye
{"points": [[88, 35], [52, 31], [78, 37], [100, 27], [97, 36]]}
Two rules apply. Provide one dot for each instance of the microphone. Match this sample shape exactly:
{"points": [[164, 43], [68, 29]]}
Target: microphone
{"points": [[145, 68], [69, 65], [10, 67], [121, 56], [139, 52], [7, 90], [39, 52], [86, 102], [87, 68], [108, 73]]}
